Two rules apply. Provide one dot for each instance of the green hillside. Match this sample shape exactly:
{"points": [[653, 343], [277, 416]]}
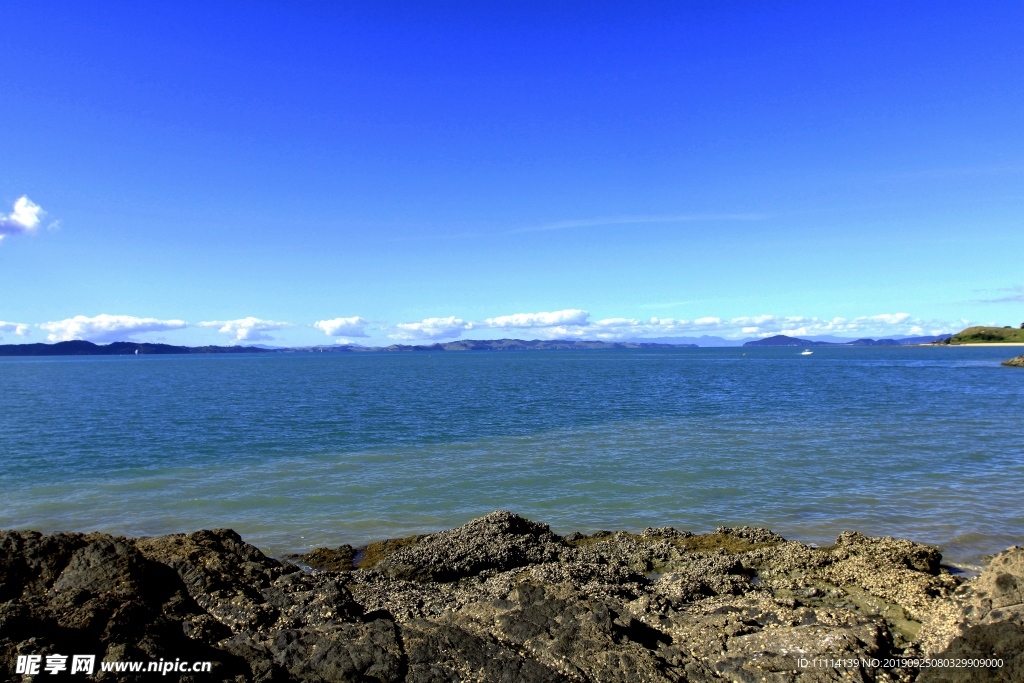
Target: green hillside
{"points": [[988, 335]]}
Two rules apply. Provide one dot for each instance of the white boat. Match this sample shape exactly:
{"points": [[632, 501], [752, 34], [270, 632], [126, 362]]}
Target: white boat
{"points": [[806, 352]]}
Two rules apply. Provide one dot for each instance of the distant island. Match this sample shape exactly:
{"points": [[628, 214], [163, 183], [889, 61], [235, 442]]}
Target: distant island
{"points": [[86, 348], [783, 340], [987, 335], [514, 345]]}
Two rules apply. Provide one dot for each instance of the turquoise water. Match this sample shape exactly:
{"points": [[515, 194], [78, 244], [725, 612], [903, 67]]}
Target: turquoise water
{"points": [[300, 450]]}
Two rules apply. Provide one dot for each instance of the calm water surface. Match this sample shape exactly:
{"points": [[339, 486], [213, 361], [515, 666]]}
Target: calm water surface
{"points": [[301, 450]]}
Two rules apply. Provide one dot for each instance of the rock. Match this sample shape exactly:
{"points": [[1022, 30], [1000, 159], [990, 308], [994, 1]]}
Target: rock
{"points": [[500, 541], [1001, 585], [442, 652], [341, 652], [223, 574], [751, 533], [97, 594], [504, 599], [1017, 362], [984, 619], [889, 551], [704, 576], [574, 634], [666, 532], [340, 559]]}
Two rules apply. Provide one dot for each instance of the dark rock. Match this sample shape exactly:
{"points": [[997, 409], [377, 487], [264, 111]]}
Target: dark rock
{"points": [[706, 575], [665, 532], [338, 559], [504, 599], [889, 550], [754, 534], [341, 652], [500, 541], [1002, 639], [984, 620], [97, 594], [440, 652]]}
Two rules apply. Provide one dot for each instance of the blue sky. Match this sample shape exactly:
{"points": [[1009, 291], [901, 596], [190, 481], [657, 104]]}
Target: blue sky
{"points": [[418, 171]]}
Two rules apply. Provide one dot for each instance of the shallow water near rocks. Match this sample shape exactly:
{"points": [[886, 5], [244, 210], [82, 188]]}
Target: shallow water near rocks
{"points": [[302, 450]]}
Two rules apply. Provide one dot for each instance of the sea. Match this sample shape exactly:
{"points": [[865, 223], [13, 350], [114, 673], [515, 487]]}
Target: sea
{"points": [[300, 450]]}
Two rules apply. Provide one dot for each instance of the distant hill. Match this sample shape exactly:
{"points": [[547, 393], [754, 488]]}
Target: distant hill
{"points": [[988, 335], [902, 341], [86, 348], [872, 342], [923, 340], [701, 341], [783, 340], [506, 345]]}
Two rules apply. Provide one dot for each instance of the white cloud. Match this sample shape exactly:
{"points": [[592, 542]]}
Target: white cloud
{"points": [[887, 318], [17, 328], [342, 327], [24, 218], [882, 325], [576, 324], [619, 322], [432, 328], [569, 316], [247, 329], [563, 332], [106, 328]]}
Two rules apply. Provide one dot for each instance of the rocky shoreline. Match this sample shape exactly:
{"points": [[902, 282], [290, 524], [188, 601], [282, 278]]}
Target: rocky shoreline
{"points": [[505, 599]]}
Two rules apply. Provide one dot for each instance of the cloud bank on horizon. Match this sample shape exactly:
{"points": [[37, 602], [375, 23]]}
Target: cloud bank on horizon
{"points": [[431, 328], [576, 324], [106, 328], [343, 327], [247, 329], [570, 323], [570, 316]]}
